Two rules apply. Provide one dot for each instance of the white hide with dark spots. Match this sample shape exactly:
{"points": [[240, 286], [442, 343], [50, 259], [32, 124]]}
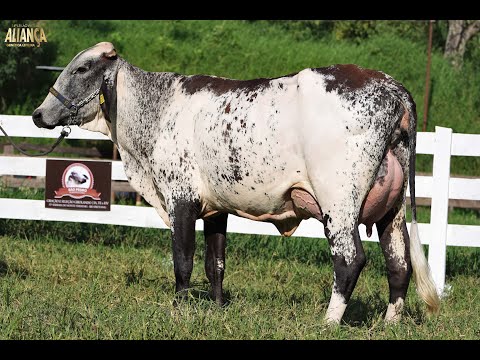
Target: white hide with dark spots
{"points": [[243, 151], [397, 244], [243, 156]]}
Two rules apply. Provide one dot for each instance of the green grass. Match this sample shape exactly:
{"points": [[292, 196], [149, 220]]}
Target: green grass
{"points": [[62, 280], [88, 281], [51, 288]]}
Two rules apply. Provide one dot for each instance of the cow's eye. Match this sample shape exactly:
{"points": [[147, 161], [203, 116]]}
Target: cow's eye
{"points": [[82, 69]]}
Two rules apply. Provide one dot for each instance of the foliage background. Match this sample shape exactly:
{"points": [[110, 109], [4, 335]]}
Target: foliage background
{"points": [[249, 49]]}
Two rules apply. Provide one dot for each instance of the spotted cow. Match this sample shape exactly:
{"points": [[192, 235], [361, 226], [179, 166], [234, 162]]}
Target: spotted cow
{"points": [[334, 143]]}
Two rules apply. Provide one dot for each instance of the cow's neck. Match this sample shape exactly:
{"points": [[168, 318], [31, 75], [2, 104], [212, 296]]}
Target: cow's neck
{"points": [[142, 98], [98, 124]]}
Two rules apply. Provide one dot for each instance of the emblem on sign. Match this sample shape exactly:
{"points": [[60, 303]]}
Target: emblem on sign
{"points": [[77, 182]]}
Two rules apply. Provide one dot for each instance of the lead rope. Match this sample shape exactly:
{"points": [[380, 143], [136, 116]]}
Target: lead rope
{"points": [[65, 132]]}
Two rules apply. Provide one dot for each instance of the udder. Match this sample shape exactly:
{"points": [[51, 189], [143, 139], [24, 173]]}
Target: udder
{"points": [[384, 193]]}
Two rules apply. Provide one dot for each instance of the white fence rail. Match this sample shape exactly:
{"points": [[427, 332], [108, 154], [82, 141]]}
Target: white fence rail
{"points": [[440, 187]]}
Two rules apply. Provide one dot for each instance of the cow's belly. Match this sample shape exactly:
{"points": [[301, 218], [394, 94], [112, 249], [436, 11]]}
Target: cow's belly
{"points": [[287, 204], [285, 207], [276, 190]]}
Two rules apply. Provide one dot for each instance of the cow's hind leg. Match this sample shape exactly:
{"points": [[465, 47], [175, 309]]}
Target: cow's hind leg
{"points": [[348, 261], [183, 217], [341, 209], [215, 241], [340, 189], [394, 240]]}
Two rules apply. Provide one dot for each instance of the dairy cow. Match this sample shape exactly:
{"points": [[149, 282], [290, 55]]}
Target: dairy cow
{"points": [[334, 143]]}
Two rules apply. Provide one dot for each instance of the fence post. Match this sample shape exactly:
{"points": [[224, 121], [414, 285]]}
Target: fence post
{"points": [[7, 151], [114, 157], [437, 249]]}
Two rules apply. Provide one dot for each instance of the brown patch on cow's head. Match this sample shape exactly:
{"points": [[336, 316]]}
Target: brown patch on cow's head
{"points": [[227, 109], [348, 77]]}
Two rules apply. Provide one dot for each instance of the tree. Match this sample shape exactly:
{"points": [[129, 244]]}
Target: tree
{"points": [[459, 33]]}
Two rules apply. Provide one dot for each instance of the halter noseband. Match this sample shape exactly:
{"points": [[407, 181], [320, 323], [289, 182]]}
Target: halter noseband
{"points": [[71, 105]]}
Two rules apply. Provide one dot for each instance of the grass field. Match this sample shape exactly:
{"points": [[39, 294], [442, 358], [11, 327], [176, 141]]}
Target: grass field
{"points": [[86, 281], [53, 289]]}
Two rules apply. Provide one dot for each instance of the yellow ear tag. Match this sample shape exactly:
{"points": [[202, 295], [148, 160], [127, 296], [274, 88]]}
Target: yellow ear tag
{"points": [[102, 99]]}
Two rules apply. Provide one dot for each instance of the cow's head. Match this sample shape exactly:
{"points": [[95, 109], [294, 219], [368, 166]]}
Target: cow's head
{"points": [[88, 71], [78, 178]]}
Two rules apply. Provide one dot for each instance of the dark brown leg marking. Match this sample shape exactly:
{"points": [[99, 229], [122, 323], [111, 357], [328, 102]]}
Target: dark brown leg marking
{"points": [[215, 230], [183, 241], [399, 266], [346, 275]]}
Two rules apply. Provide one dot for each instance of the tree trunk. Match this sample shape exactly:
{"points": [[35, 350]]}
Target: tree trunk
{"points": [[459, 33]]}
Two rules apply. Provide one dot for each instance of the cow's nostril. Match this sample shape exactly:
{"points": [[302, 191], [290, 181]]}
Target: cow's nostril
{"points": [[37, 115], [38, 119]]}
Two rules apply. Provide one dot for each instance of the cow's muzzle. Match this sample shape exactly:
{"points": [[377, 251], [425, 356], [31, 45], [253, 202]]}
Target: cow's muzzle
{"points": [[37, 117]]}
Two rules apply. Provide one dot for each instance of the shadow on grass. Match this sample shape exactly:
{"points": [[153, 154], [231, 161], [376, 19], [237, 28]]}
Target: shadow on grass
{"points": [[200, 293], [6, 270], [362, 312]]}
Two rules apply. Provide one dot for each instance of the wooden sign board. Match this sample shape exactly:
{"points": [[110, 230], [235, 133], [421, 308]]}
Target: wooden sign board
{"points": [[78, 185]]}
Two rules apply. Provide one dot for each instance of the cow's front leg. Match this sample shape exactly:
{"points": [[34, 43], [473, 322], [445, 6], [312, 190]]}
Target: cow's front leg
{"points": [[215, 241], [182, 217]]}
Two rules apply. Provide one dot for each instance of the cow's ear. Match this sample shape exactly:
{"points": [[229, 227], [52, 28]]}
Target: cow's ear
{"points": [[111, 54], [105, 99]]}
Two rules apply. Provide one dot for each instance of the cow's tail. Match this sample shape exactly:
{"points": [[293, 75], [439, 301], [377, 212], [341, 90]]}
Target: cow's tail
{"points": [[426, 288]]}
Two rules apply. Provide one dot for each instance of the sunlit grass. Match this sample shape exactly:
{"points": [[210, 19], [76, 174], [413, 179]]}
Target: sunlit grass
{"points": [[61, 280], [54, 289]]}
